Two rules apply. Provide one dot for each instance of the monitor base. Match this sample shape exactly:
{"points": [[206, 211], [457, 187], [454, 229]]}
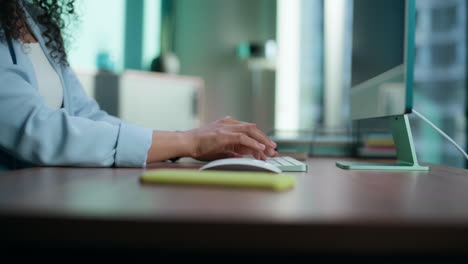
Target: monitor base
{"points": [[380, 166], [406, 154]]}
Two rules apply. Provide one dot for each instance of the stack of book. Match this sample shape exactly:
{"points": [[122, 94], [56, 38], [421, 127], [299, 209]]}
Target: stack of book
{"points": [[377, 146]]}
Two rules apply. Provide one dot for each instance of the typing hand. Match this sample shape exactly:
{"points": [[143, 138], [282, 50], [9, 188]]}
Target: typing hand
{"points": [[229, 138]]}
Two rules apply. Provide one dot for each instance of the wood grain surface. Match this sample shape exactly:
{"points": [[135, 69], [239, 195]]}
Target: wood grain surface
{"points": [[328, 211]]}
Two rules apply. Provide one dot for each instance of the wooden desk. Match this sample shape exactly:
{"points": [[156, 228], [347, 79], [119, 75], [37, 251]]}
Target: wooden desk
{"points": [[330, 211]]}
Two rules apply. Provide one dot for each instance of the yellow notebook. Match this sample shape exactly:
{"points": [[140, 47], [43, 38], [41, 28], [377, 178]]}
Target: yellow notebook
{"points": [[220, 178]]}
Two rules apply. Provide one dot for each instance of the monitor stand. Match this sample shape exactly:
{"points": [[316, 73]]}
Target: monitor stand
{"points": [[406, 154]]}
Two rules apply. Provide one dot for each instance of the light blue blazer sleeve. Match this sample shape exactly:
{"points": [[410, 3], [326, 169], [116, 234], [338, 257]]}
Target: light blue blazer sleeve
{"points": [[80, 134], [83, 105]]}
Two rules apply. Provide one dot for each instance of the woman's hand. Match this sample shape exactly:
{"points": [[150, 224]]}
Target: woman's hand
{"points": [[227, 138]]}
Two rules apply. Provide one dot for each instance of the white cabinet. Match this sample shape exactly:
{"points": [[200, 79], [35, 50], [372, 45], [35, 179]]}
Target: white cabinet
{"points": [[154, 100], [161, 101]]}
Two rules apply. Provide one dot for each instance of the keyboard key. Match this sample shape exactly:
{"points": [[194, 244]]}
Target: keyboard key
{"points": [[287, 164]]}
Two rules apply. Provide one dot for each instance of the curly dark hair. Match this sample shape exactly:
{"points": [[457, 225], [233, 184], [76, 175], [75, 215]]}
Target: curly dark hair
{"points": [[49, 14]]}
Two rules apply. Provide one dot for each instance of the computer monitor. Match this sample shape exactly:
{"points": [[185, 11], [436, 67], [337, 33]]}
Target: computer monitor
{"points": [[382, 74]]}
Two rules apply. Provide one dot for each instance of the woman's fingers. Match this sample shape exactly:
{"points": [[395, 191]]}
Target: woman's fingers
{"points": [[252, 131], [255, 155], [271, 152], [256, 149], [275, 153], [243, 150], [248, 128], [259, 155], [243, 139]]}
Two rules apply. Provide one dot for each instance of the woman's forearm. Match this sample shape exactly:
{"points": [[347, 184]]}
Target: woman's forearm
{"points": [[168, 145]]}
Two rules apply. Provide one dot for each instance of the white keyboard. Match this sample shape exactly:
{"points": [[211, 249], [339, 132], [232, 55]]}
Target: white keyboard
{"points": [[287, 164]]}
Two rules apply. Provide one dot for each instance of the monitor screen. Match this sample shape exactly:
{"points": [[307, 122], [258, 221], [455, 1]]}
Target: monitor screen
{"points": [[381, 80]]}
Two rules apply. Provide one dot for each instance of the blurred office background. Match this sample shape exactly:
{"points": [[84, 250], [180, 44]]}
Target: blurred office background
{"points": [[283, 64]]}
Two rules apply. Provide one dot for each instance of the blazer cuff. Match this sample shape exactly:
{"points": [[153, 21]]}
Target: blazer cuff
{"points": [[132, 145]]}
